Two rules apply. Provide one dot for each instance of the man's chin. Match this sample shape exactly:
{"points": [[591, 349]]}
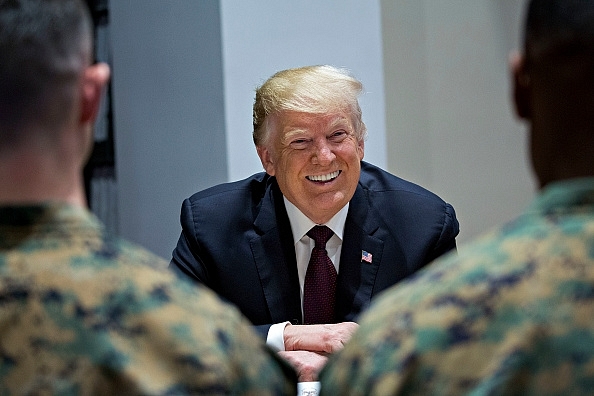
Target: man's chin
{"points": [[321, 210]]}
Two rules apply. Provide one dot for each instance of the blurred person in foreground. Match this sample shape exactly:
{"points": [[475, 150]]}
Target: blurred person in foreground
{"points": [[254, 241], [513, 313], [82, 312]]}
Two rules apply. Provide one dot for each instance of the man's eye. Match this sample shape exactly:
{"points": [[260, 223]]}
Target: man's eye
{"points": [[338, 135], [299, 143]]}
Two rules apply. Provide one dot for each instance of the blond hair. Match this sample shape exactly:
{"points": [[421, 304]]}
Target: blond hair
{"points": [[318, 89]]}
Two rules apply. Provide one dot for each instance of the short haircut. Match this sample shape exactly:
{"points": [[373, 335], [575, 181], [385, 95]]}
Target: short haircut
{"points": [[312, 89], [44, 46], [559, 29]]}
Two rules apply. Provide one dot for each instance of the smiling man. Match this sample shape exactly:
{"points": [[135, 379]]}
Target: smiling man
{"points": [[316, 160], [304, 247]]}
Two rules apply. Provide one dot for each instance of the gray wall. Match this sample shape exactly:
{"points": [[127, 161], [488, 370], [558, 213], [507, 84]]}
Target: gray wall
{"points": [[168, 112], [449, 118]]}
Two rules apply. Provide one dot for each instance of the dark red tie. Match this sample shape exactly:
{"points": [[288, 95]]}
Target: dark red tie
{"points": [[319, 291]]}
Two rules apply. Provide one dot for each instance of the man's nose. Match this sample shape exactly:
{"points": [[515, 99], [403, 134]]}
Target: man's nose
{"points": [[323, 154]]}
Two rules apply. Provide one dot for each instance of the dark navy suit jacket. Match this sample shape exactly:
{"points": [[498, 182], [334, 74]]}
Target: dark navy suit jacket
{"points": [[236, 239]]}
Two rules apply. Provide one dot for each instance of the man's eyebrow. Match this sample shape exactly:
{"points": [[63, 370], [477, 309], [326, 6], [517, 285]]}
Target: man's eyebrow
{"points": [[290, 133], [339, 121]]}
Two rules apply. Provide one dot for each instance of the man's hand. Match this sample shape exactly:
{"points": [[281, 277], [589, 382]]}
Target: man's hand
{"points": [[307, 346], [323, 338], [307, 364]]}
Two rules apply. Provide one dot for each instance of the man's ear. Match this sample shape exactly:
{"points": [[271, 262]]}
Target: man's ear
{"points": [[361, 149], [521, 85], [266, 159], [94, 80]]}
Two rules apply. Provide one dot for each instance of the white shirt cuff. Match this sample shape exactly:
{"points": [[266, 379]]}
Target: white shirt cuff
{"points": [[275, 338]]}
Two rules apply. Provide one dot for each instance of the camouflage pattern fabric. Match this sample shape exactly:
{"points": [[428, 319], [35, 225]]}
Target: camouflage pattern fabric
{"points": [[512, 313], [85, 314]]}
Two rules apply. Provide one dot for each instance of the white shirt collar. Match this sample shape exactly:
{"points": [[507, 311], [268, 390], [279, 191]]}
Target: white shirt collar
{"points": [[301, 224]]}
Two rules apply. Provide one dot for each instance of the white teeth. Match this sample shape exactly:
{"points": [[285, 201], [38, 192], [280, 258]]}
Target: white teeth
{"points": [[324, 178]]}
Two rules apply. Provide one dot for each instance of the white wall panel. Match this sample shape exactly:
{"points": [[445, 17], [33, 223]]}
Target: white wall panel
{"points": [[265, 36]]}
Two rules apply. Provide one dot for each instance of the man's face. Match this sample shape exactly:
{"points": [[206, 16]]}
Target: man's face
{"points": [[315, 159]]}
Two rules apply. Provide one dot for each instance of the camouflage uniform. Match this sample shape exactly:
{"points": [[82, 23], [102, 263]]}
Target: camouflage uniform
{"points": [[513, 313], [85, 314]]}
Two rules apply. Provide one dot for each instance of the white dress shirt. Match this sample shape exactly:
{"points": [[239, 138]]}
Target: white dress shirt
{"points": [[300, 225]]}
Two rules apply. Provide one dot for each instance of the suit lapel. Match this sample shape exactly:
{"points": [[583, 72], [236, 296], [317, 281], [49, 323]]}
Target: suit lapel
{"points": [[356, 276], [274, 255]]}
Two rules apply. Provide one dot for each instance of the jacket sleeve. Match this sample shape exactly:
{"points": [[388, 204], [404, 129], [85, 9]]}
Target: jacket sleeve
{"points": [[188, 263], [186, 260], [447, 239]]}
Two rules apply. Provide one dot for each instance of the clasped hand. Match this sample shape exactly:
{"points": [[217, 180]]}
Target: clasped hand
{"points": [[307, 347]]}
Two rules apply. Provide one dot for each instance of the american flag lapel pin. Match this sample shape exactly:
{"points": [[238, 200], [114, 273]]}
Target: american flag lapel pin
{"points": [[366, 256]]}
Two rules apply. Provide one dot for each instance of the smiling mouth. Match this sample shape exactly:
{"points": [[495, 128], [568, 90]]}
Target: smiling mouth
{"points": [[324, 178]]}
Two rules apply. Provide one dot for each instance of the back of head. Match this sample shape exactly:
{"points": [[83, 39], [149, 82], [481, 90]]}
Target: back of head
{"points": [[555, 87], [311, 89], [44, 46], [559, 29], [559, 43]]}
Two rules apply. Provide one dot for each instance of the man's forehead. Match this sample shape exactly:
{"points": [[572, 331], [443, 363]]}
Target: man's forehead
{"points": [[291, 121]]}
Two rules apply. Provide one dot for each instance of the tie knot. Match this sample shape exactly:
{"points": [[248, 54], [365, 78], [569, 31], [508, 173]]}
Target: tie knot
{"points": [[321, 235]]}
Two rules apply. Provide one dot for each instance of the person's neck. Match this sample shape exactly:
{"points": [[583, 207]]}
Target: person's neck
{"points": [[565, 174], [564, 141], [31, 178]]}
